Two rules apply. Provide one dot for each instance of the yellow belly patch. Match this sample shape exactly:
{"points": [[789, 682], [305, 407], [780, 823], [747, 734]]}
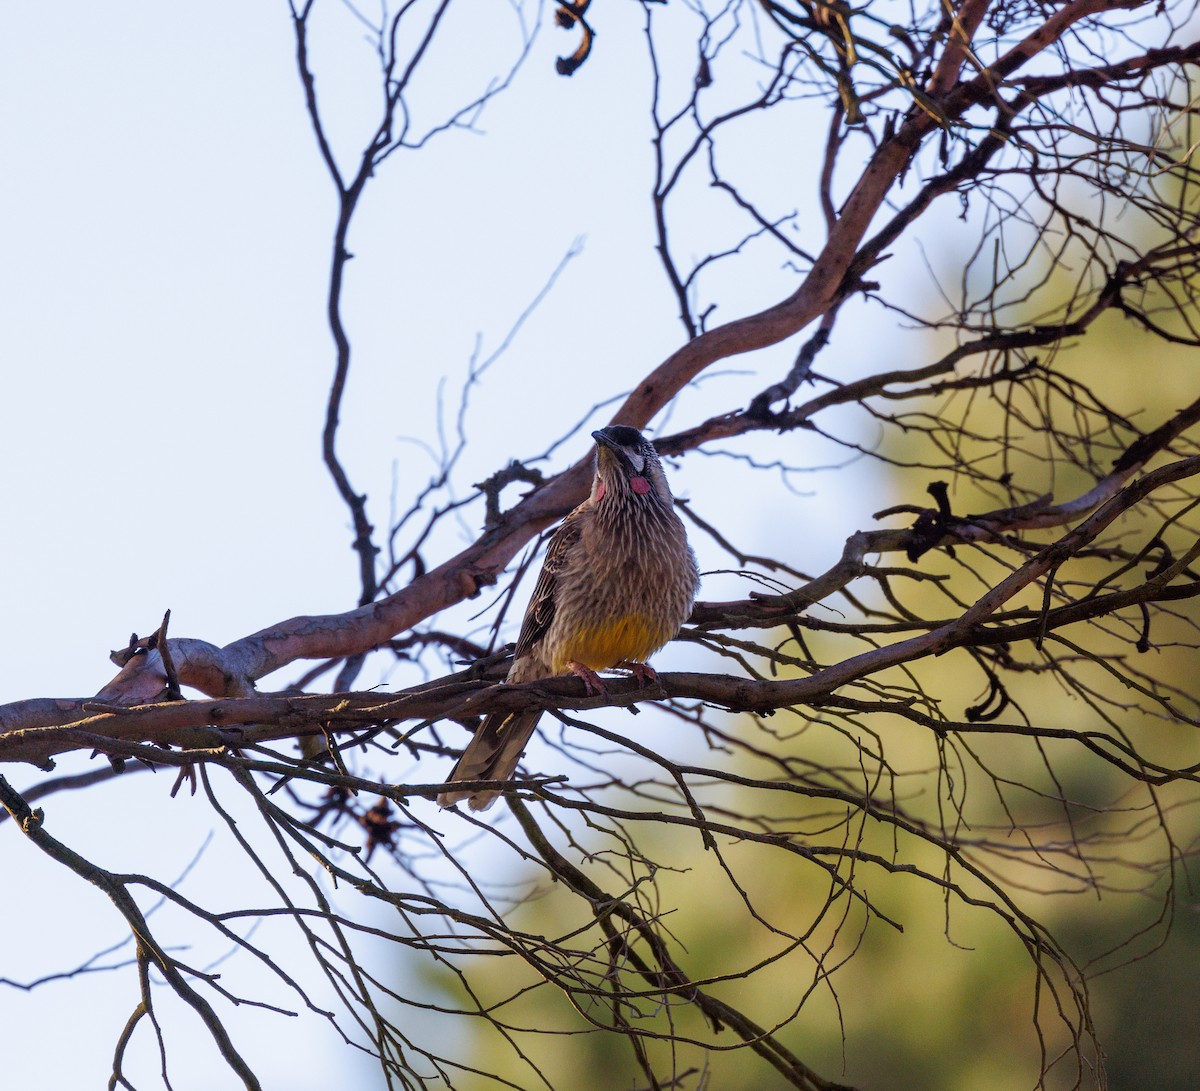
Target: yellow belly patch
{"points": [[631, 638]]}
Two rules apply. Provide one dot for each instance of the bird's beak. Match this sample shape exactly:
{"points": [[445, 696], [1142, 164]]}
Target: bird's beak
{"points": [[622, 454]]}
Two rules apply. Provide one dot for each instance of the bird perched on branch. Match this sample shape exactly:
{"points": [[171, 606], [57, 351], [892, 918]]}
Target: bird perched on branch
{"points": [[617, 583]]}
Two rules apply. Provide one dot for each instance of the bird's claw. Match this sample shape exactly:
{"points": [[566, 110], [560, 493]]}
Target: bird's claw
{"points": [[643, 673], [593, 684]]}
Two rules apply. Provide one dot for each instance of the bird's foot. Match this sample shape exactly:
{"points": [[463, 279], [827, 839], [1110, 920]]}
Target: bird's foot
{"points": [[592, 682], [643, 673]]}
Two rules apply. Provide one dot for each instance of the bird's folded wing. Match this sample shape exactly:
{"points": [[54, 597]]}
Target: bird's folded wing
{"points": [[540, 612]]}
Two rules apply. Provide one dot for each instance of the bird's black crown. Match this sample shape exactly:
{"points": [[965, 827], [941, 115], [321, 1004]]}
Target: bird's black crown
{"points": [[625, 436]]}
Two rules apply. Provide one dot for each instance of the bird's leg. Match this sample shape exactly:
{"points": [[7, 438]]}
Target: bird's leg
{"points": [[643, 673], [591, 680]]}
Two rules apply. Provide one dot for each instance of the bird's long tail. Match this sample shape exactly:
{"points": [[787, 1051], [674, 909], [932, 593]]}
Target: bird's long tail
{"points": [[491, 755]]}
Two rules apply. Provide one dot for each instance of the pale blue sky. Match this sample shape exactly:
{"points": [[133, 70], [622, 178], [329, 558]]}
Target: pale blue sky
{"points": [[166, 226], [167, 237]]}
